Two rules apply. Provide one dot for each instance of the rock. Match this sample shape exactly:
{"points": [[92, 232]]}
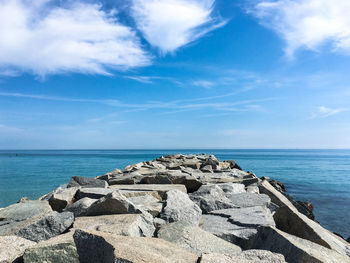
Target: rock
{"points": [[249, 199], [62, 198], [290, 220], [207, 169], [223, 228], [253, 189], [23, 199], [194, 239], [94, 193], [60, 249], [294, 249], [136, 225], [20, 215], [101, 247], [130, 194], [234, 165], [160, 188], [248, 256], [305, 208], [248, 216], [80, 207], [148, 203], [278, 185], [12, 248], [231, 188], [47, 227], [85, 182], [113, 203], [179, 207], [211, 197], [128, 178], [348, 239], [111, 174]]}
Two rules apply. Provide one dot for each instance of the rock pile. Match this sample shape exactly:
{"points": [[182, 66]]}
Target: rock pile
{"points": [[179, 208]]}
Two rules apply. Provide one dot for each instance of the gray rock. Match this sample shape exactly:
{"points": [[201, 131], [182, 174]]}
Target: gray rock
{"points": [[85, 182], [249, 199], [223, 228], [211, 197], [113, 203], [195, 239], [247, 216], [253, 189], [127, 178], [99, 247], [232, 188], [12, 248], [248, 256], [207, 169], [60, 199], [136, 225], [48, 227], [179, 207], [294, 249], [80, 207], [147, 203], [94, 193]]}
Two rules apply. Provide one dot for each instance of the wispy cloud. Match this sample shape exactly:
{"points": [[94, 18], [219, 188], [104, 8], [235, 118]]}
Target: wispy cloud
{"points": [[170, 24], [204, 84], [42, 38], [323, 112], [307, 23]]}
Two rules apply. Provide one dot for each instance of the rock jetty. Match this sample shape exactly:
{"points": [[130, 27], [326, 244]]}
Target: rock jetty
{"points": [[174, 209]]}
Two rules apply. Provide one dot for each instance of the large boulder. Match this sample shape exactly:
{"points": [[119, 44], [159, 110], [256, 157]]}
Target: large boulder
{"points": [[50, 226], [147, 203], [249, 199], [60, 249], [194, 239], [62, 198], [295, 249], [101, 247], [12, 248], [290, 220], [248, 256], [136, 225], [86, 182], [113, 203], [80, 207], [92, 192], [179, 207], [232, 188]]}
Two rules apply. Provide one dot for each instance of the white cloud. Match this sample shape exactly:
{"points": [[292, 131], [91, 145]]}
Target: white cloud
{"points": [[323, 112], [307, 24], [170, 24], [204, 84], [42, 38]]}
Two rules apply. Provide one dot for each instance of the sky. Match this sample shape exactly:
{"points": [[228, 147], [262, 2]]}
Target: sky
{"points": [[160, 74]]}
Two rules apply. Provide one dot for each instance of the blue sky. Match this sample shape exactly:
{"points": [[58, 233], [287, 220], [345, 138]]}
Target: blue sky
{"points": [[174, 74]]}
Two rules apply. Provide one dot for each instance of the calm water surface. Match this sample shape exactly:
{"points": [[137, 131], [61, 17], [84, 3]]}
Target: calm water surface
{"points": [[321, 177]]}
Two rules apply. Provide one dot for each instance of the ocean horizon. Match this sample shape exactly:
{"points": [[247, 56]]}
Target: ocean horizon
{"points": [[319, 176]]}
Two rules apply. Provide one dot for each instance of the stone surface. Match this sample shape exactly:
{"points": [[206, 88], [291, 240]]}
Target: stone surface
{"points": [[113, 203], [249, 199], [160, 188], [179, 207], [232, 188], [47, 227], [195, 239], [86, 182], [248, 256], [294, 249], [60, 249], [12, 248], [80, 207], [147, 203], [93, 192], [101, 247], [62, 198], [136, 225]]}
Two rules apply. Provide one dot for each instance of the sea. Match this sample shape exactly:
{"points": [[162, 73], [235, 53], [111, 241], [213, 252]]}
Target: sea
{"points": [[321, 177]]}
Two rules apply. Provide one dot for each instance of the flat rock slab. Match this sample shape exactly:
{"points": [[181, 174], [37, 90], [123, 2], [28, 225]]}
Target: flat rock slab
{"points": [[195, 239], [93, 192], [86, 182], [249, 199], [13, 247], [232, 188], [147, 203], [80, 207], [248, 256], [136, 225], [160, 188], [179, 207], [101, 247], [247, 216]]}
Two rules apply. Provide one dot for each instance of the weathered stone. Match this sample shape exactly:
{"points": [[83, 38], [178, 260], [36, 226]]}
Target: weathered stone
{"points": [[179, 207], [113, 203], [136, 225], [12, 248], [127, 178], [23, 199], [101, 247], [248, 256], [290, 220], [94, 193], [61, 199], [109, 175], [132, 193], [147, 203], [207, 169], [294, 249], [231, 188], [223, 228], [60, 249], [48, 227], [80, 207], [249, 199], [86, 182], [253, 189], [194, 239]]}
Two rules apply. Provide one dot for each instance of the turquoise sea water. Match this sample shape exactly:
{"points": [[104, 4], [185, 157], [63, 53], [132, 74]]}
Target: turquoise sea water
{"points": [[321, 177]]}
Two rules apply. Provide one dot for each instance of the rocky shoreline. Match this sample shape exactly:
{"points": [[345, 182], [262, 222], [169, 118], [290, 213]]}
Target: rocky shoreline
{"points": [[178, 208]]}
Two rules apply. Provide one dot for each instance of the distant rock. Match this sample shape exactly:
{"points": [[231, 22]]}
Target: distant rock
{"points": [[92, 192], [86, 182]]}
